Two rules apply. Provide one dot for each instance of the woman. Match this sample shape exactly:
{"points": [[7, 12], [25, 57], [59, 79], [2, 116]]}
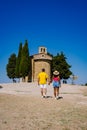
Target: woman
{"points": [[56, 83]]}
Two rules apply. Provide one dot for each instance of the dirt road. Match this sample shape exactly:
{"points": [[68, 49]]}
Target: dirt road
{"points": [[22, 108]]}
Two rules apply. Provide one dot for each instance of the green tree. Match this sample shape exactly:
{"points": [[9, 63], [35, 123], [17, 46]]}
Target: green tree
{"points": [[18, 60], [11, 66], [25, 65], [59, 63], [49, 54], [85, 84]]}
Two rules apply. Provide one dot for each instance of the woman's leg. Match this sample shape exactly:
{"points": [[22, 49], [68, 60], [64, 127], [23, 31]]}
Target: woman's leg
{"points": [[57, 92], [54, 92]]}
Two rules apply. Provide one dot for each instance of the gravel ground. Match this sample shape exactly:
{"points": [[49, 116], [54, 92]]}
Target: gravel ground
{"points": [[22, 108]]}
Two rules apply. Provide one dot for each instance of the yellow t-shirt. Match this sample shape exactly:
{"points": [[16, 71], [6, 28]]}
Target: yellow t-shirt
{"points": [[42, 76]]}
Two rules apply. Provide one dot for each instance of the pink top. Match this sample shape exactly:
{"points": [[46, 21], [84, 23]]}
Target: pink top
{"points": [[56, 78]]}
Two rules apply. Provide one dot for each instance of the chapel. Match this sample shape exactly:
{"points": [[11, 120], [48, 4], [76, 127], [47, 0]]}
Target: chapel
{"points": [[39, 61]]}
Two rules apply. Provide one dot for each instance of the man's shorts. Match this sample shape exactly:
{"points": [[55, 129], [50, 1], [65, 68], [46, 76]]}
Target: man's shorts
{"points": [[43, 85]]}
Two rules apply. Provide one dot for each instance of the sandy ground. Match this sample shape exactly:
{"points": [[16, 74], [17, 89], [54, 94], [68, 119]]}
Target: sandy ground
{"points": [[22, 108]]}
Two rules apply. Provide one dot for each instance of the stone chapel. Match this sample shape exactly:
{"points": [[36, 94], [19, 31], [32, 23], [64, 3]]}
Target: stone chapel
{"points": [[39, 61]]}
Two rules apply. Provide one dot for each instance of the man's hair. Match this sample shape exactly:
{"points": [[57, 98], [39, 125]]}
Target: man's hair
{"points": [[43, 70]]}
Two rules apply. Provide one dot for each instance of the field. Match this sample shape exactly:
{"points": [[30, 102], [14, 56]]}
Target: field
{"points": [[22, 108]]}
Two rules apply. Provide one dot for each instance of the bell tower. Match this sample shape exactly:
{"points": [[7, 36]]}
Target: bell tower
{"points": [[43, 50]]}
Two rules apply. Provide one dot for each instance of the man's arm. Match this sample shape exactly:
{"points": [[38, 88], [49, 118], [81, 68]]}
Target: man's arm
{"points": [[48, 80]]}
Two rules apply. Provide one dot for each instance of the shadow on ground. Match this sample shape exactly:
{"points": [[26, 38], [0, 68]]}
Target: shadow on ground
{"points": [[52, 97], [1, 87]]}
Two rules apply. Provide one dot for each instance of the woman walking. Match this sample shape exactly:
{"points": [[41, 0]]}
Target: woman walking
{"points": [[56, 83]]}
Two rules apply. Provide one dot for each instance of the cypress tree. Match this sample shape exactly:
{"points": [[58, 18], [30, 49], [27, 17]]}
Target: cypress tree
{"points": [[11, 66], [18, 60], [25, 61]]}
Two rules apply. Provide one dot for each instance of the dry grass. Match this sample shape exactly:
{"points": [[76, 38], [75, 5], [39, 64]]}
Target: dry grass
{"points": [[27, 112]]}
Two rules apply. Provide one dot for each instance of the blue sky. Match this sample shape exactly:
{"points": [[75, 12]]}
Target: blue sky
{"points": [[59, 25]]}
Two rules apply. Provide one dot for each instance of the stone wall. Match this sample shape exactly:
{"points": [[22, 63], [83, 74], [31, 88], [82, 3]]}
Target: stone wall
{"points": [[39, 61], [38, 65]]}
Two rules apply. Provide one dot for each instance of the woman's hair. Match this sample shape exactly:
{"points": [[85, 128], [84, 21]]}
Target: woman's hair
{"points": [[55, 75]]}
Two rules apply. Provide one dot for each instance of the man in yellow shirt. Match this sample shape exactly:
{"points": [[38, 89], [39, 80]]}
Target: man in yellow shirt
{"points": [[42, 81]]}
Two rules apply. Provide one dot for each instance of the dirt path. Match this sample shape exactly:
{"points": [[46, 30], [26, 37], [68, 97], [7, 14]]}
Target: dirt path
{"points": [[22, 108]]}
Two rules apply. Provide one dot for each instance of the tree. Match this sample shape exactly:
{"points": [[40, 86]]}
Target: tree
{"points": [[25, 65], [85, 84], [59, 63], [49, 54], [18, 60], [11, 66]]}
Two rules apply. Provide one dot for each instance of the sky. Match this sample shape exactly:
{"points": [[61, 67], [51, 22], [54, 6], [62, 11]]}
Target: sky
{"points": [[59, 25]]}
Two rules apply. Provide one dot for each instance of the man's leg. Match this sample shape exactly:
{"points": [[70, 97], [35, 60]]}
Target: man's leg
{"points": [[45, 90], [42, 92]]}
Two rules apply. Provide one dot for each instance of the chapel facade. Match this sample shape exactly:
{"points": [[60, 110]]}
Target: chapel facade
{"points": [[39, 61]]}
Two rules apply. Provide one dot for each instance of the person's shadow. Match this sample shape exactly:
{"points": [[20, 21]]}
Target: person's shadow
{"points": [[59, 98], [1, 87], [48, 96], [52, 97]]}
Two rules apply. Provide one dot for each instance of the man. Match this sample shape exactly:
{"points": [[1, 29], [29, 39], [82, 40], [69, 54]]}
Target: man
{"points": [[42, 81]]}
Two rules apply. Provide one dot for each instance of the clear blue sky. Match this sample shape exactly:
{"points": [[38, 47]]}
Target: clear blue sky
{"points": [[59, 25]]}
